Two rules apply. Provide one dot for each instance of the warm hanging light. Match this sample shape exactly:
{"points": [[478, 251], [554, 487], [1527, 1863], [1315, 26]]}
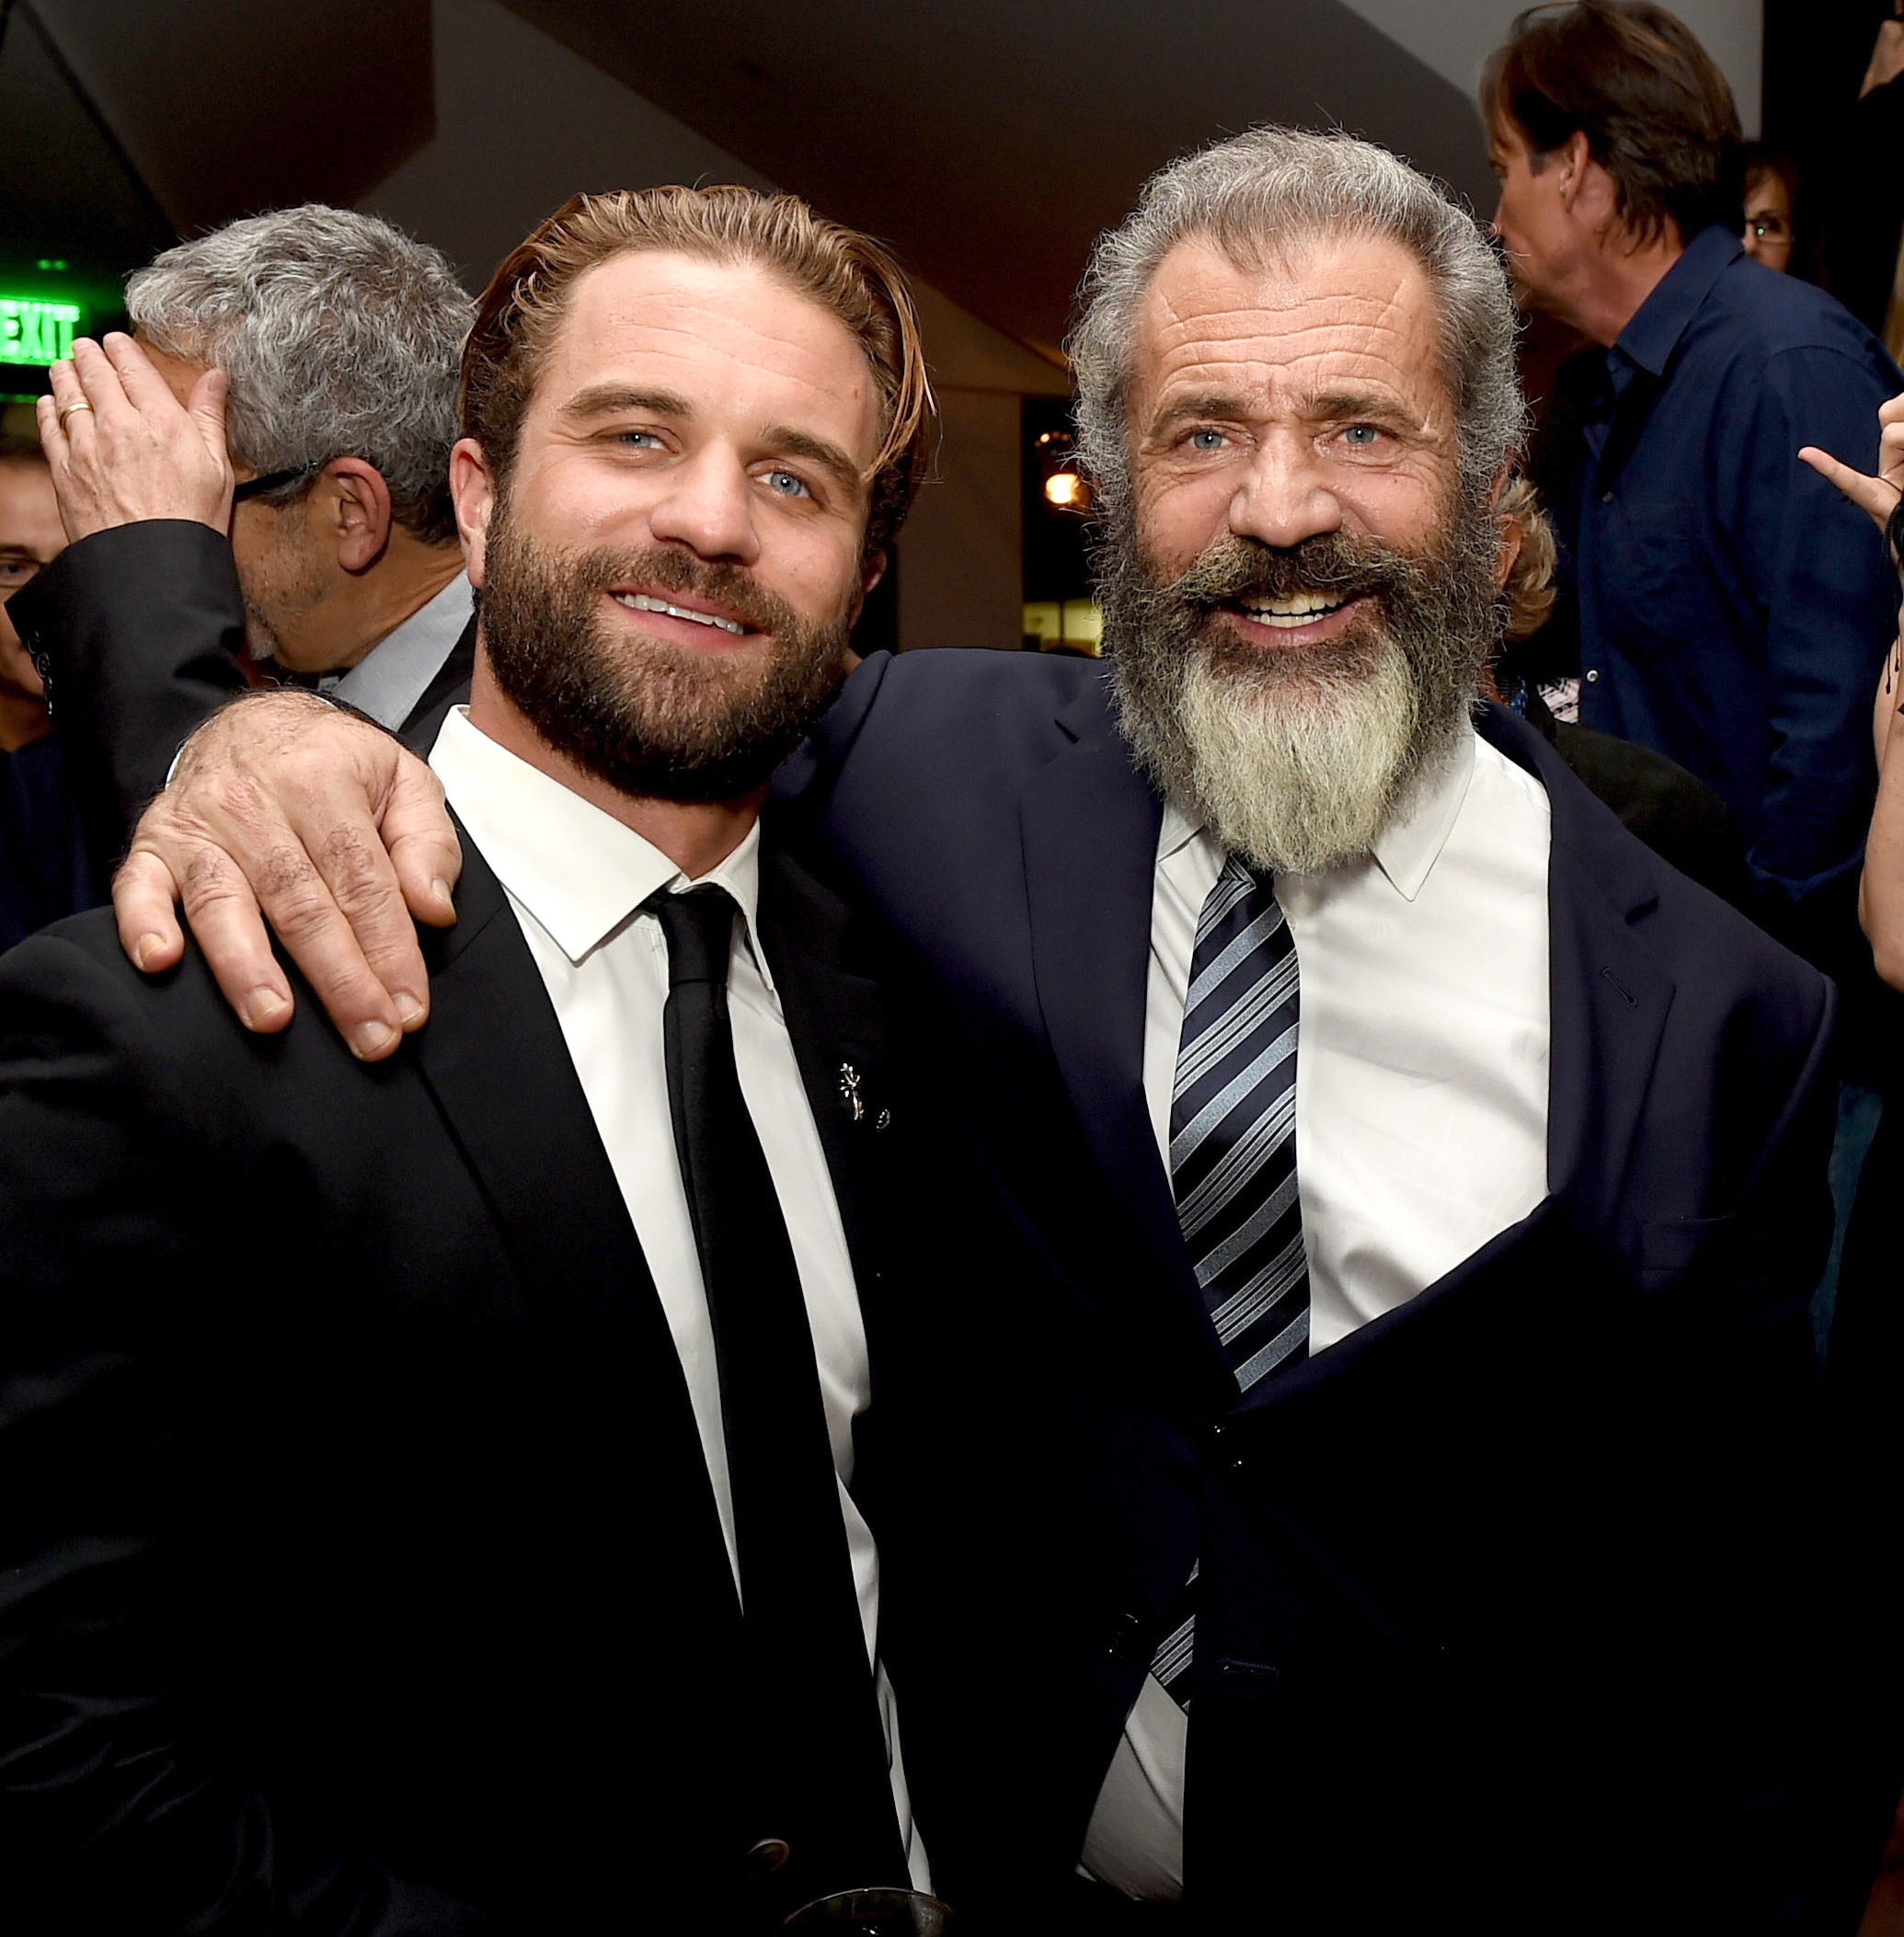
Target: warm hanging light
{"points": [[1065, 488]]}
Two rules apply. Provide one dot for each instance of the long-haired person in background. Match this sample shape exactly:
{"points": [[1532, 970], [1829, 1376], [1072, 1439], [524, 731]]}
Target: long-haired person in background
{"points": [[1731, 610]]}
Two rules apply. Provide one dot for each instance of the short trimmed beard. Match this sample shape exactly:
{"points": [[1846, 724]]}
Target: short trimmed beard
{"points": [[1297, 758], [653, 720]]}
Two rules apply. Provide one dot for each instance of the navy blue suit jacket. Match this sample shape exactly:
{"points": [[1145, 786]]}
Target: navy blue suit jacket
{"points": [[1495, 1589]]}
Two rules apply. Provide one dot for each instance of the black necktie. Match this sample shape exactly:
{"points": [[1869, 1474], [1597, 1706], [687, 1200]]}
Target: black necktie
{"points": [[824, 1784]]}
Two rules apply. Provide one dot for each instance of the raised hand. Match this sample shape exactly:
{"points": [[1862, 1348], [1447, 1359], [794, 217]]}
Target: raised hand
{"points": [[1878, 495], [284, 809], [124, 450]]}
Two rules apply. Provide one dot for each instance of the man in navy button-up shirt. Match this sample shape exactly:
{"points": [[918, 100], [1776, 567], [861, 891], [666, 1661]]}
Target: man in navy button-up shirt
{"points": [[1733, 610]]}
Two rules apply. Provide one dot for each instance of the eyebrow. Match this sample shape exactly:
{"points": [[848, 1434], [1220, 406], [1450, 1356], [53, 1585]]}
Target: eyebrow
{"points": [[24, 552], [1339, 406], [1334, 407], [816, 451], [1221, 405], [605, 399]]}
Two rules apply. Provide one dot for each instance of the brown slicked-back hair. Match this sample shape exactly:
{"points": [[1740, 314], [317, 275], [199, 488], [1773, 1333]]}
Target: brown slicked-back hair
{"points": [[1652, 103], [848, 274]]}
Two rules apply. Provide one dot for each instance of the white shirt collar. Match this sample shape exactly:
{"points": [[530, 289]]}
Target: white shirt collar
{"points": [[394, 675], [1406, 849], [577, 870]]}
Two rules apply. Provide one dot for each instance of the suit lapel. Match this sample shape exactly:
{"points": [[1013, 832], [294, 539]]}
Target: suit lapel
{"points": [[1089, 828], [1609, 996], [494, 1060], [836, 1021]]}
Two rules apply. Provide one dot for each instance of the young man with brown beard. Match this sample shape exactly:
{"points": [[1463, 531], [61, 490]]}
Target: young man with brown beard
{"points": [[431, 1485], [1353, 1451]]}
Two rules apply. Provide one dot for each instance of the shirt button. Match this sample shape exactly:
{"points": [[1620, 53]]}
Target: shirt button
{"points": [[1592, 674], [1605, 497]]}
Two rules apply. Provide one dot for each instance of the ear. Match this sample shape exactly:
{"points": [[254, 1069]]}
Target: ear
{"points": [[1507, 549], [870, 574], [359, 508], [1507, 546], [1570, 163], [473, 492], [1589, 194]]}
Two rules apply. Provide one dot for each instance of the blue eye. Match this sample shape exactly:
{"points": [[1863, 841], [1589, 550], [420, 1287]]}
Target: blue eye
{"points": [[1360, 436], [1206, 439], [783, 484], [641, 439]]}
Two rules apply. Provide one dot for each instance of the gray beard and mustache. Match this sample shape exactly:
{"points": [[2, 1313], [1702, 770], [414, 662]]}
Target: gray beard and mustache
{"points": [[660, 721], [1298, 758]]}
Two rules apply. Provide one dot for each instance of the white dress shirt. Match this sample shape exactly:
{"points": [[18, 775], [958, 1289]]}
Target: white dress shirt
{"points": [[576, 877], [1421, 1113], [389, 680]]}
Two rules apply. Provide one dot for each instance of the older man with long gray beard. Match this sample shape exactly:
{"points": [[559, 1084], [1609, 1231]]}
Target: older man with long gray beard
{"points": [[1350, 1458]]}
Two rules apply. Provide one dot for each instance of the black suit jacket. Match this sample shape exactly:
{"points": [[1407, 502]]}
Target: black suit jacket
{"points": [[359, 1566], [1498, 1627], [140, 632]]}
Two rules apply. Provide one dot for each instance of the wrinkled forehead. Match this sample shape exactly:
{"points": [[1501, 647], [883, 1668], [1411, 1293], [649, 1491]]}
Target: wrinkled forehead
{"points": [[1310, 313]]}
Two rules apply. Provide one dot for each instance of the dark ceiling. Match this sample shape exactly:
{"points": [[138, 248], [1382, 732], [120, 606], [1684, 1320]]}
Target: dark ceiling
{"points": [[991, 140], [227, 106], [71, 197]]}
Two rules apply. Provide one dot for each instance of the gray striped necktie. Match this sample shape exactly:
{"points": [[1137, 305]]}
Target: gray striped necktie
{"points": [[1233, 1153]]}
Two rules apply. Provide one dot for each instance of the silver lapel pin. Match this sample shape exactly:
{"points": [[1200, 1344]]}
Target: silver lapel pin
{"points": [[849, 1091]]}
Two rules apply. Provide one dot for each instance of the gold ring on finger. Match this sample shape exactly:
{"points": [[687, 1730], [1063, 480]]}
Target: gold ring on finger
{"points": [[66, 410]]}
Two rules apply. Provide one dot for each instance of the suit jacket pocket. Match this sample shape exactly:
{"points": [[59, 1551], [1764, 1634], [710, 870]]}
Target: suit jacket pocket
{"points": [[1670, 1247]]}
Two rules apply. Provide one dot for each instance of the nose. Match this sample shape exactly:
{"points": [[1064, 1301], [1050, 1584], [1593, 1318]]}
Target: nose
{"points": [[1285, 497], [708, 506]]}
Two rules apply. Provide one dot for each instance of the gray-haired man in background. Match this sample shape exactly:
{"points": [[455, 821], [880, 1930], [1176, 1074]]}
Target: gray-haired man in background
{"points": [[323, 344]]}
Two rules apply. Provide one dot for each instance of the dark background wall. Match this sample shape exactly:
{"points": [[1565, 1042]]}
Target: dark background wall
{"points": [[989, 141]]}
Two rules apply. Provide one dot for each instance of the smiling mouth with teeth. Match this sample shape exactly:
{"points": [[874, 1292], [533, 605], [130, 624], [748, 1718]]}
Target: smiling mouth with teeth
{"points": [[1291, 611], [643, 602]]}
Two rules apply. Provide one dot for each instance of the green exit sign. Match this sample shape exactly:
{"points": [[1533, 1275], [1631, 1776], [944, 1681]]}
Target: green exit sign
{"points": [[35, 329]]}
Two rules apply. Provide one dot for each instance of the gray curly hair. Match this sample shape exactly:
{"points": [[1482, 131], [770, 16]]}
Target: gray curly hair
{"points": [[341, 336], [1253, 195]]}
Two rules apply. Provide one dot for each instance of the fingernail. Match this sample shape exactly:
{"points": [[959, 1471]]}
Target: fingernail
{"points": [[440, 888], [408, 1009], [147, 944], [260, 1007], [373, 1038]]}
